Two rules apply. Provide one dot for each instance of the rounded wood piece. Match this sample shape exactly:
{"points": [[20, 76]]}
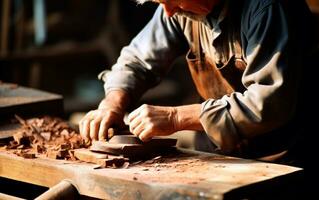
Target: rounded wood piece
{"points": [[125, 139]]}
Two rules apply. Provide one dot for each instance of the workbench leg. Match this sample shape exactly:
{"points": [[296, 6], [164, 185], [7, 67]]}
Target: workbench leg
{"points": [[63, 190]]}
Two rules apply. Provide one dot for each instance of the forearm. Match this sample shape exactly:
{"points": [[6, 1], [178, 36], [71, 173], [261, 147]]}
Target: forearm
{"points": [[188, 117]]}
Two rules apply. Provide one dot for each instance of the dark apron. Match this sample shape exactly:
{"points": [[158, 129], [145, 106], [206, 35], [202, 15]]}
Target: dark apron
{"points": [[212, 81]]}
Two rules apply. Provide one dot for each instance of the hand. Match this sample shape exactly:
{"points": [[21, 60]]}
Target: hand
{"points": [[148, 121], [95, 124]]}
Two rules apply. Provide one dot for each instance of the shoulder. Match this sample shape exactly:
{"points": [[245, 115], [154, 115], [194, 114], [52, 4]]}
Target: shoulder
{"points": [[251, 8], [174, 21], [255, 5], [254, 10]]}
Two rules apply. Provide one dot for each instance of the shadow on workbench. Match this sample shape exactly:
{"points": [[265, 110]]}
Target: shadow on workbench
{"points": [[280, 187], [20, 189], [23, 190]]}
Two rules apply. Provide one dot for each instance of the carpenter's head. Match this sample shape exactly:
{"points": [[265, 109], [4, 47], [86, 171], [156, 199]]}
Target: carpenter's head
{"points": [[196, 9]]}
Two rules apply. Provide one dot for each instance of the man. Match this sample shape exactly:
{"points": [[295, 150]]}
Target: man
{"points": [[245, 57]]}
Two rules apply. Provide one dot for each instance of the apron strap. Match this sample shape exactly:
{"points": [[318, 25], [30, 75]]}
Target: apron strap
{"points": [[237, 49], [197, 50]]}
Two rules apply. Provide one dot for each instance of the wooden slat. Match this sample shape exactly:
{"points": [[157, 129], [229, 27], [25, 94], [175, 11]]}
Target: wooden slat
{"points": [[15, 99], [5, 21], [184, 175]]}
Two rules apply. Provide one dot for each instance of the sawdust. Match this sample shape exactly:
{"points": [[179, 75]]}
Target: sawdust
{"points": [[49, 136], [182, 167]]}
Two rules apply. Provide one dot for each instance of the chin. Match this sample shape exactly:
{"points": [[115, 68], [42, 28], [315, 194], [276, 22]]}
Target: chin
{"points": [[192, 16]]}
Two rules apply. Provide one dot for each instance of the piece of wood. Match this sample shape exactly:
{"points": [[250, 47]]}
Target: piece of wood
{"points": [[127, 150], [27, 155], [8, 130], [155, 142], [161, 142], [102, 159], [186, 174], [131, 147], [57, 154], [116, 131], [114, 162], [88, 156], [125, 139], [27, 101], [131, 151]]}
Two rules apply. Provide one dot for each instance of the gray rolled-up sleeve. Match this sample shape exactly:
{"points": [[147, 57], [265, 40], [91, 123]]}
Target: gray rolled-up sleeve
{"points": [[148, 57]]}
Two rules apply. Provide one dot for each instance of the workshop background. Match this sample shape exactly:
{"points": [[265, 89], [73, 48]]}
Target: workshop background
{"points": [[61, 46]]}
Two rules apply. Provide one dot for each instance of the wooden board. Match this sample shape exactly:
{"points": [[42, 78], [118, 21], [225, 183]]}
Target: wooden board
{"points": [[8, 130], [183, 175], [154, 142], [133, 148], [25, 101]]}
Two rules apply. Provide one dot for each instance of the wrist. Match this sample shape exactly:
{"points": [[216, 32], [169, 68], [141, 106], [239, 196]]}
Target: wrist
{"points": [[187, 117], [117, 99]]}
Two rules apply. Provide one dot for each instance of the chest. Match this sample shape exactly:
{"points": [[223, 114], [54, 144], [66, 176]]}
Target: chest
{"points": [[218, 43]]}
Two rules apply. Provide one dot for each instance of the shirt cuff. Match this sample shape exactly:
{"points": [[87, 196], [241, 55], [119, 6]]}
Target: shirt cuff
{"points": [[218, 124], [122, 80]]}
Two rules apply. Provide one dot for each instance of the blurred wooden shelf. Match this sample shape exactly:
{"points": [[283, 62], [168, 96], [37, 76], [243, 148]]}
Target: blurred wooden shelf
{"points": [[60, 51]]}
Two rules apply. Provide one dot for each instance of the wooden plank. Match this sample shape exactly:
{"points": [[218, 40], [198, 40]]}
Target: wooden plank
{"points": [[103, 160], [155, 142], [55, 53], [15, 99], [182, 175], [8, 130], [131, 147]]}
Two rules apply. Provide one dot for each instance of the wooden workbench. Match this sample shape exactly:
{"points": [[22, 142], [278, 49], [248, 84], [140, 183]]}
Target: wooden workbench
{"points": [[182, 175]]}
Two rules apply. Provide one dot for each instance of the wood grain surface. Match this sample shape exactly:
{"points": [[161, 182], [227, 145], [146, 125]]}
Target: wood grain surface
{"points": [[183, 174]]}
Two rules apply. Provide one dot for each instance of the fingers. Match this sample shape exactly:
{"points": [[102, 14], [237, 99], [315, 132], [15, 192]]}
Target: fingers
{"points": [[145, 135], [103, 130], [85, 128], [148, 121], [95, 124], [142, 131], [139, 123], [137, 116], [137, 129], [135, 113], [135, 122], [94, 128]]}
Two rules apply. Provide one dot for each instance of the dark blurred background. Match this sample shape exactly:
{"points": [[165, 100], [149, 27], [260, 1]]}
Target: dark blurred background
{"points": [[61, 46]]}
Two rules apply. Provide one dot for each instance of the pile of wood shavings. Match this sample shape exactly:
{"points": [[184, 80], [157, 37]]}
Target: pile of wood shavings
{"points": [[49, 136]]}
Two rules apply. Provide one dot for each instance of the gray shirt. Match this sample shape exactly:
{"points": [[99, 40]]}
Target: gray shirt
{"points": [[270, 78]]}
